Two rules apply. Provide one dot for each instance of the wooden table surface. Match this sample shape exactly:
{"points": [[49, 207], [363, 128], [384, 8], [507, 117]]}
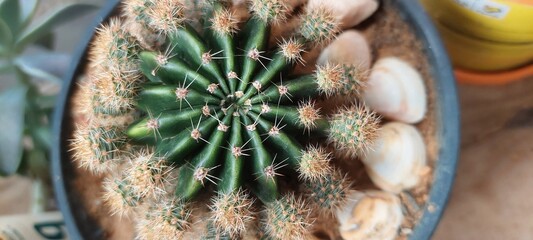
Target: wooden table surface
{"points": [[492, 196]]}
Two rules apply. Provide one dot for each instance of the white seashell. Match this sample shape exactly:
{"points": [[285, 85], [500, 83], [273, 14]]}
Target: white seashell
{"points": [[396, 91], [398, 159], [348, 12], [350, 48], [372, 215]]}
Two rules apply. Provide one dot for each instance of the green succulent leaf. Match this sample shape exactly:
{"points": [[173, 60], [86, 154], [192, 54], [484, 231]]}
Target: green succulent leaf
{"points": [[60, 16], [27, 11], [42, 136], [46, 102], [36, 162], [12, 105], [10, 13], [44, 65], [5, 66], [6, 37]]}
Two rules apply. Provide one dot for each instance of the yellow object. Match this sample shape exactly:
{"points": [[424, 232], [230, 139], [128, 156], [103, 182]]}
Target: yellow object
{"points": [[481, 55], [495, 20], [485, 35]]}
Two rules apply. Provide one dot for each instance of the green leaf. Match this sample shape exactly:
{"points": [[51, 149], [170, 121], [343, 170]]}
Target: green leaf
{"points": [[12, 104], [5, 66], [10, 13], [6, 37], [27, 12], [36, 72], [44, 26], [42, 136], [46, 102], [44, 65], [35, 163]]}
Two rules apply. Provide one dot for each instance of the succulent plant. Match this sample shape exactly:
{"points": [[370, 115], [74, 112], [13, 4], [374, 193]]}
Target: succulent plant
{"points": [[30, 72], [174, 113]]}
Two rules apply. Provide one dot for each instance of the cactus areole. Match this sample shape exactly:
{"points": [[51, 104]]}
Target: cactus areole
{"points": [[217, 110]]}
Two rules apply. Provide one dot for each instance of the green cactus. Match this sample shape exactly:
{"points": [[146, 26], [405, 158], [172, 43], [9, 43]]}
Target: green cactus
{"points": [[286, 218], [221, 107], [315, 164], [330, 192], [353, 129], [165, 219], [231, 213]]}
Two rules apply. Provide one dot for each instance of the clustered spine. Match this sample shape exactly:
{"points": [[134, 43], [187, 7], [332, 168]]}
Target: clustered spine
{"points": [[171, 110]]}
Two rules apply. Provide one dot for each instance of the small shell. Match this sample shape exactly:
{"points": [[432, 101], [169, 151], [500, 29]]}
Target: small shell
{"points": [[348, 12], [372, 215], [396, 91], [349, 48], [398, 159]]}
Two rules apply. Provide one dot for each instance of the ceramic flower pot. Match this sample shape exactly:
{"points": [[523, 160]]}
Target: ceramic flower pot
{"points": [[399, 30]]}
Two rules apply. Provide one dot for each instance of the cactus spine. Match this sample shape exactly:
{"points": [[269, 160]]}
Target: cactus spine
{"points": [[217, 107]]}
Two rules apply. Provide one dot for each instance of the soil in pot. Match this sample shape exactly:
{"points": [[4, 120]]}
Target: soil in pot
{"points": [[388, 35]]}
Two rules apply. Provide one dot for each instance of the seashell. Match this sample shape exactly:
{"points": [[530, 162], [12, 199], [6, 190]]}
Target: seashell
{"points": [[349, 48], [398, 159], [348, 12], [372, 215], [396, 91]]}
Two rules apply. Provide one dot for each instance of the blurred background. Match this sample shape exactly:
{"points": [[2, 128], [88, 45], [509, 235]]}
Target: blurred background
{"points": [[491, 46], [491, 198], [31, 68]]}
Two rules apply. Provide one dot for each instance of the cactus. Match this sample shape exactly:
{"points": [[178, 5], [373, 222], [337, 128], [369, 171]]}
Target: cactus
{"points": [[353, 129], [215, 108], [286, 218], [330, 192]]}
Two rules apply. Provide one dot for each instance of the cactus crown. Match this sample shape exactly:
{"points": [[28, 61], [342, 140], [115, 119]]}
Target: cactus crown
{"points": [[217, 107]]}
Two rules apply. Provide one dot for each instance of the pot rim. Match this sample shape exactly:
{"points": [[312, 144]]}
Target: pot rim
{"points": [[59, 151], [447, 104], [448, 108]]}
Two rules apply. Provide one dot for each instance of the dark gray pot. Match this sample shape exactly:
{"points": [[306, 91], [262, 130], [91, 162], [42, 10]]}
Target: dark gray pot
{"points": [[80, 226]]}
